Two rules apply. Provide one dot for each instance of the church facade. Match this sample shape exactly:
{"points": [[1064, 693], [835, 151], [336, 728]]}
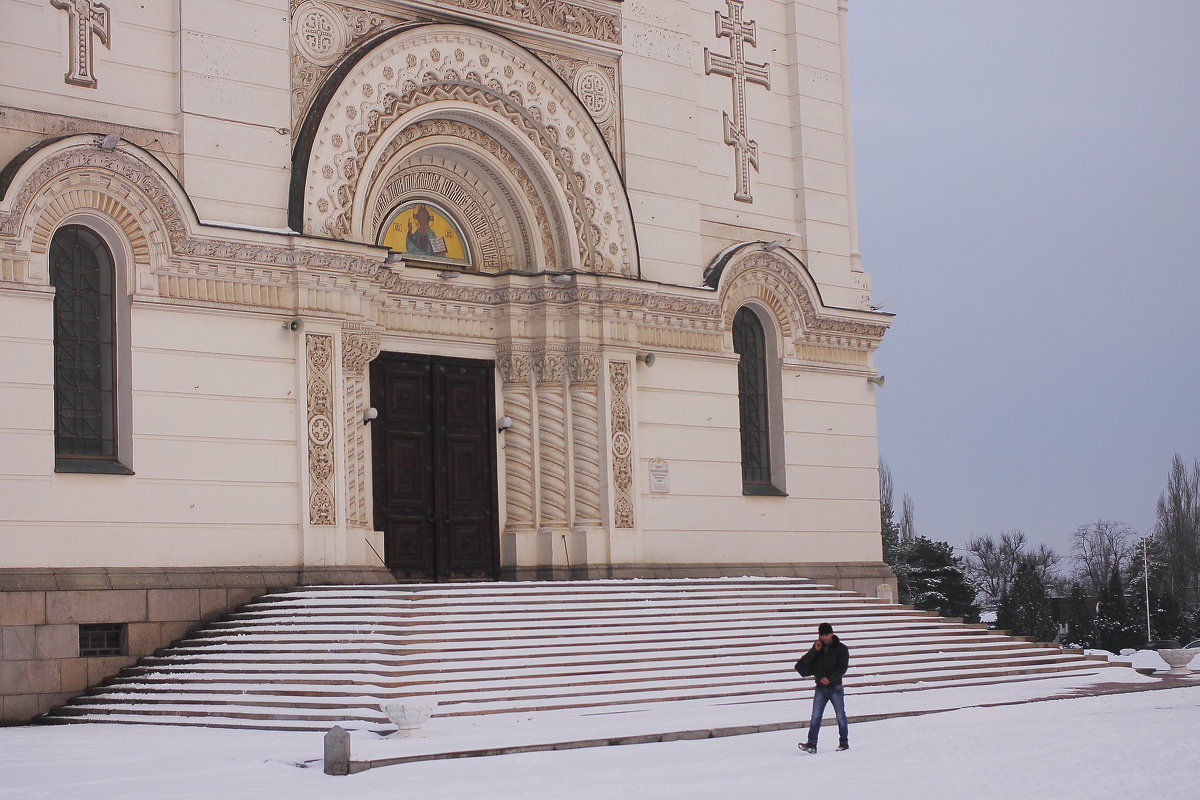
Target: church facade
{"points": [[419, 290]]}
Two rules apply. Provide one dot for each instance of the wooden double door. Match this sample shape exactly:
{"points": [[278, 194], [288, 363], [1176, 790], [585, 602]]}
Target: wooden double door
{"points": [[434, 454]]}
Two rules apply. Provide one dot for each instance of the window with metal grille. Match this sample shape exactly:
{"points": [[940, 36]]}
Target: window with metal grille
{"points": [[102, 639], [749, 342], [85, 373]]}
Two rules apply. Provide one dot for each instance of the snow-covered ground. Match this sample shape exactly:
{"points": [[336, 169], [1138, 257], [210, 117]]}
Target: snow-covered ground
{"points": [[1094, 747]]}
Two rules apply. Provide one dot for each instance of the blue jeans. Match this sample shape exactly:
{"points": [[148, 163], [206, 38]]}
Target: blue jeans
{"points": [[823, 695]]}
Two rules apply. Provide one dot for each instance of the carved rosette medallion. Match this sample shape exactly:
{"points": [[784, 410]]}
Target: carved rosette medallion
{"points": [[321, 498], [515, 369], [622, 445], [360, 346], [319, 32]]}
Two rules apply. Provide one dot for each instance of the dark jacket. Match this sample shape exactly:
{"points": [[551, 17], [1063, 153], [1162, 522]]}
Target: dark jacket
{"points": [[830, 662]]}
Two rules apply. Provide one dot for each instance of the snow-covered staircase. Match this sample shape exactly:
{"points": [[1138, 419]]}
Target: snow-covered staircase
{"points": [[311, 658]]}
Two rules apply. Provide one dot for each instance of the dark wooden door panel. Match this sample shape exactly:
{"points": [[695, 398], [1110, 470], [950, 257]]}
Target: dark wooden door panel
{"points": [[435, 466]]}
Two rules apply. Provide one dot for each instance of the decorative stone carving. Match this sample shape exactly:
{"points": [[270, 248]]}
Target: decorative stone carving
{"points": [[548, 370], [319, 32], [549, 232], [321, 500], [360, 346], [87, 19], [515, 368], [622, 445], [551, 126], [557, 15], [773, 281], [736, 66], [583, 367]]}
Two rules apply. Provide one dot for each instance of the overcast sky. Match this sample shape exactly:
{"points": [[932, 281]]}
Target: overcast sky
{"points": [[1028, 185]]}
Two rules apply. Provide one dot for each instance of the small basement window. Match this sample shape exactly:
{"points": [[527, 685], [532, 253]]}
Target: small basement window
{"points": [[102, 639]]}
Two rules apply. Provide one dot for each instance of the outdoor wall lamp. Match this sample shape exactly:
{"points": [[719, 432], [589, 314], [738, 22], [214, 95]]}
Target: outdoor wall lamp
{"points": [[771, 247], [370, 414], [394, 257], [563, 279], [503, 424], [109, 142]]}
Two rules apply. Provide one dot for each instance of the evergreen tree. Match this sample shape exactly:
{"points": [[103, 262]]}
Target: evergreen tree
{"points": [[1025, 608], [1114, 627], [936, 579], [1080, 617]]}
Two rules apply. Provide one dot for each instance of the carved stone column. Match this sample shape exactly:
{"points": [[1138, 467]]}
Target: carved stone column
{"points": [[360, 346], [622, 445], [322, 505], [548, 369], [583, 367], [518, 440]]}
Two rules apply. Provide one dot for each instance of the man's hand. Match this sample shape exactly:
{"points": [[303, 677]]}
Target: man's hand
{"points": [[817, 644], [824, 681]]}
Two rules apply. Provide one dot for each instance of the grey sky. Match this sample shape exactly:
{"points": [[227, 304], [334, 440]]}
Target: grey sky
{"points": [[1028, 184]]}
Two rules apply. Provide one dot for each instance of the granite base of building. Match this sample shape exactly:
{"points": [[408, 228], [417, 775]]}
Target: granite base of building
{"points": [[41, 611], [864, 577]]}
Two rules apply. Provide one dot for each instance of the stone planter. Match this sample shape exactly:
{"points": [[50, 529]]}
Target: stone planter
{"points": [[1178, 660], [408, 715]]}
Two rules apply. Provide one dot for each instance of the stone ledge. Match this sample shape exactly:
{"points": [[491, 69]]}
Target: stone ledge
{"points": [[863, 577], [101, 578]]}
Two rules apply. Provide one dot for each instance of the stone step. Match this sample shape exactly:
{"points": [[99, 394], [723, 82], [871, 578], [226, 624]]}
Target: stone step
{"points": [[328, 654]]}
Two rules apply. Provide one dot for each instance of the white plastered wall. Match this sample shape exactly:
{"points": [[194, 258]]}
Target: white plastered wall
{"points": [[680, 172], [214, 446]]}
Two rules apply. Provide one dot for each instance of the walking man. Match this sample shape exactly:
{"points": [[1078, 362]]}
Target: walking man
{"points": [[826, 662]]}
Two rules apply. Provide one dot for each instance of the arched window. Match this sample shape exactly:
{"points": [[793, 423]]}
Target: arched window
{"points": [[760, 466], [83, 274]]}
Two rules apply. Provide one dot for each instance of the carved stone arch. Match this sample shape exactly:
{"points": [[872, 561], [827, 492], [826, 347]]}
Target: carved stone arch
{"points": [[755, 279], [491, 84], [528, 204], [126, 190], [778, 281]]}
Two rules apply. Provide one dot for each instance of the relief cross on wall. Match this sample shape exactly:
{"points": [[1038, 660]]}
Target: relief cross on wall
{"points": [[87, 19], [736, 67]]}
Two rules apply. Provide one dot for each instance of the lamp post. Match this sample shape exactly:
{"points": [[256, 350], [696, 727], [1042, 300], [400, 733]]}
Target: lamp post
{"points": [[1146, 580]]}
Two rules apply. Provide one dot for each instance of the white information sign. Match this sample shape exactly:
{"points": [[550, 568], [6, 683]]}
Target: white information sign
{"points": [[660, 476]]}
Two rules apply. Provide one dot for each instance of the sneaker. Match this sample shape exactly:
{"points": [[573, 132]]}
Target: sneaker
{"points": [[807, 747], [843, 746]]}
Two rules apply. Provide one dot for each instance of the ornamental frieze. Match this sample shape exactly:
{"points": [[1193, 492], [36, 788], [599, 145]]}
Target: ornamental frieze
{"points": [[323, 32], [444, 64]]}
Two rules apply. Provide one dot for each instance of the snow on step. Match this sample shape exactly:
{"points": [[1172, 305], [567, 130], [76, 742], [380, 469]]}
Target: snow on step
{"points": [[308, 658]]}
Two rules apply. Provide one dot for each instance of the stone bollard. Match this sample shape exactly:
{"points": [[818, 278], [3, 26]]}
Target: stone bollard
{"points": [[337, 751]]}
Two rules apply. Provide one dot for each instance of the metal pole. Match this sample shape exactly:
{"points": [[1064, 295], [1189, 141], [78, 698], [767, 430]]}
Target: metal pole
{"points": [[1146, 578]]}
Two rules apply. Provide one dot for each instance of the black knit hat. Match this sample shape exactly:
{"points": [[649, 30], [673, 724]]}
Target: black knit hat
{"points": [[824, 628]]}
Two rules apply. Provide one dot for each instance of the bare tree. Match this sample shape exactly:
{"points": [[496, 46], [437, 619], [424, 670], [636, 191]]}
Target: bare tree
{"points": [[992, 563], [1178, 529], [1098, 548]]}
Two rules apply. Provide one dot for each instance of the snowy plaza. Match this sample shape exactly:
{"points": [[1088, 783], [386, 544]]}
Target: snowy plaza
{"points": [[1137, 743]]}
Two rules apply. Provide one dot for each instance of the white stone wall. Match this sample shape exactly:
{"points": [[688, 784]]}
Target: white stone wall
{"points": [[687, 415], [202, 85], [214, 447], [679, 171]]}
